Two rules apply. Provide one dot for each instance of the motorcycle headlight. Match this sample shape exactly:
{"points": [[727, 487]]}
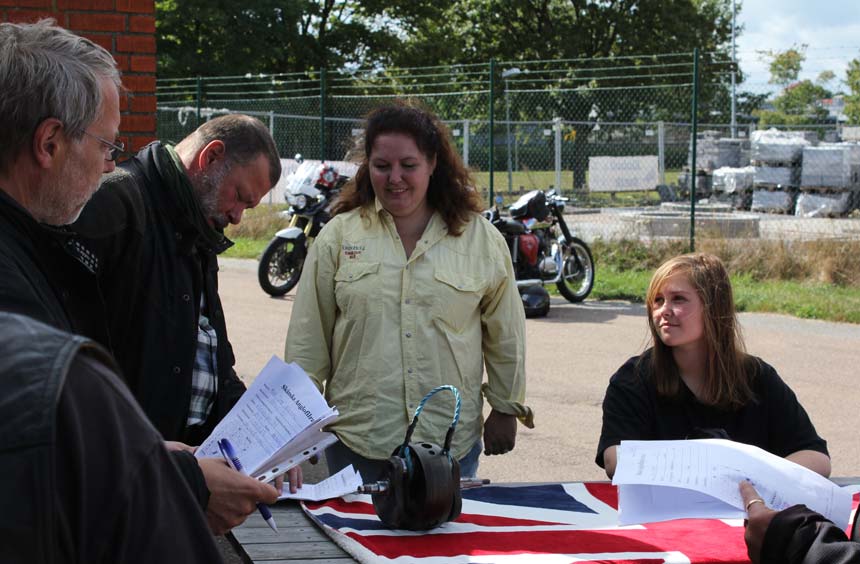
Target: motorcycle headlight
{"points": [[301, 201]]}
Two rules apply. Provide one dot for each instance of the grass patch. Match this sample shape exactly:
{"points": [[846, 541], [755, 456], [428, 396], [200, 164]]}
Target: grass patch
{"points": [[807, 279], [808, 300], [246, 248]]}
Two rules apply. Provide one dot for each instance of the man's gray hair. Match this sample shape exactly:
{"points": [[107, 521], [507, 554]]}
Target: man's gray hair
{"points": [[245, 138], [48, 72]]}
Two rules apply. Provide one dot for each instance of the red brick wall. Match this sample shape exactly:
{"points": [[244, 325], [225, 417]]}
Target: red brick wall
{"points": [[126, 28]]}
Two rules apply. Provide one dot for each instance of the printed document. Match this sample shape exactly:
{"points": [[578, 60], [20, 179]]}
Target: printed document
{"points": [[662, 480], [276, 424], [344, 482]]}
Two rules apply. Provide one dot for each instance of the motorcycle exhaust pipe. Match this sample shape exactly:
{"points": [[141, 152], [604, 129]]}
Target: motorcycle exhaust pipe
{"points": [[532, 282]]}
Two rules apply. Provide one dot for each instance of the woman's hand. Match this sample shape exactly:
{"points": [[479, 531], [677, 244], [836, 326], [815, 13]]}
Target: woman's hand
{"points": [[759, 518], [500, 433]]}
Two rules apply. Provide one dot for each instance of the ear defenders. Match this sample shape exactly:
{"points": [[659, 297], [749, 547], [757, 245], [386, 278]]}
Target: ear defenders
{"points": [[423, 479]]}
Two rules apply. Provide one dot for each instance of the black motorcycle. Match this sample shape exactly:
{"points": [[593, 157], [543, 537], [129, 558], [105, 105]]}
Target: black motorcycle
{"points": [[544, 251], [310, 192]]}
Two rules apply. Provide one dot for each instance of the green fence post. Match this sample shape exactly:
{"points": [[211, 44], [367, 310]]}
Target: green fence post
{"points": [[199, 97], [492, 125], [322, 114], [693, 175]]}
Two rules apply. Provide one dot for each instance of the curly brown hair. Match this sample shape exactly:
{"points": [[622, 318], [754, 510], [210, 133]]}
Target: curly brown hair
{"points": [[451, 191]]}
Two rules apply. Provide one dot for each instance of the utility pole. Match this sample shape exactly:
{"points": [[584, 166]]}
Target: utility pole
{"points": [[734, 87]]}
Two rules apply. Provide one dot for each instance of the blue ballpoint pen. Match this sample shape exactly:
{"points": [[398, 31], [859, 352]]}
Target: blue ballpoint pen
{"points": [[233, 460]]}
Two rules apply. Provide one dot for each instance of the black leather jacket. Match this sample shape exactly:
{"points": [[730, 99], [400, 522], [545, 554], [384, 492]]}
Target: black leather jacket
{"points": [[48, 273], [154, 268], [799, 535]]}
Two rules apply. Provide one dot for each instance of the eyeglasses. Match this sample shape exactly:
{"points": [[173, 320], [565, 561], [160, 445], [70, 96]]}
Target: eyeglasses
{"points": [[115, 148]]}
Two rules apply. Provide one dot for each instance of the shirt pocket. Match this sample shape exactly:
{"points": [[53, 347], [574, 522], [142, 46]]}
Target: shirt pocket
{"points": [[457, 298], [356, 286]]}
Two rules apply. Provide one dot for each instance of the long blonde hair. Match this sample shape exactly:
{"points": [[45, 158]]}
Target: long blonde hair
{"points": [[729, 368]]}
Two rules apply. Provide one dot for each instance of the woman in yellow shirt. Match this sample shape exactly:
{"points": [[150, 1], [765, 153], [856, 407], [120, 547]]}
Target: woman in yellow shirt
{"points": [[408, 288]]}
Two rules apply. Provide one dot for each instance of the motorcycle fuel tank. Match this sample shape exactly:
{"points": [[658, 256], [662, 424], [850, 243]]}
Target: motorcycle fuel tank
{"points": [[529, 245]]}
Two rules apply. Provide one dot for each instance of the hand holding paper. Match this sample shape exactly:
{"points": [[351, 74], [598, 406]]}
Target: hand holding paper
{"points": [[276, 424], [662, 480], [344, 482]]}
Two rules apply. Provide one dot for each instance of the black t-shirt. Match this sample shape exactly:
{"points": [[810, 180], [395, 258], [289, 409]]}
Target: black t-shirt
{"points": [[774, 420], [119, 496]]}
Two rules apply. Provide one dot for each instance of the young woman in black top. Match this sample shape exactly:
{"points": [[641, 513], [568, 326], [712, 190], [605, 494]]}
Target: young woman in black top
{"points": [[696, 381]]}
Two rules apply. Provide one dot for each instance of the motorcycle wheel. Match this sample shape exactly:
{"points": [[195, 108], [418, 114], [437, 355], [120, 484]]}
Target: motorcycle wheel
{"points": [[280, 267], [577, 279]]}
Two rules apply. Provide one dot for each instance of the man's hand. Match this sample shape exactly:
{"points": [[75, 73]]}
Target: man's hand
{"points": [[295, 479], [500, 433], [232, 495], [759, 518], [176, 445]]}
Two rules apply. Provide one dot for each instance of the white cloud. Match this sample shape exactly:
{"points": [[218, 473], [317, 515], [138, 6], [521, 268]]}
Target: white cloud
{"points": [[830, 29]]}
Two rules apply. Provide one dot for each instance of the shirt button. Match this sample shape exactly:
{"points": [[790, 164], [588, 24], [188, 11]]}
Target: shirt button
{"points": [[186, 298], [178, 236], [176, 370], [408, 334], [407, 301], [409, 371]]}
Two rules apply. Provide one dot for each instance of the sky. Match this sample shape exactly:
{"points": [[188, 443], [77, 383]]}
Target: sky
{"points": [[830, 28]]}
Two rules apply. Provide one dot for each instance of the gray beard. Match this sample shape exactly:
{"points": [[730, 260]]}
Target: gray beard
{"points": [[207, 186]]}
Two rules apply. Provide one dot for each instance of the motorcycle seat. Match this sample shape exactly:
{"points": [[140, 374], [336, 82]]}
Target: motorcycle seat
{"points": [[511, 226]]}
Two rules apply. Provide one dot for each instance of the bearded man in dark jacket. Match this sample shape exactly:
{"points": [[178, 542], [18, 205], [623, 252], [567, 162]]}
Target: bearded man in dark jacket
{"points": [[60, 105], [156, 227]]}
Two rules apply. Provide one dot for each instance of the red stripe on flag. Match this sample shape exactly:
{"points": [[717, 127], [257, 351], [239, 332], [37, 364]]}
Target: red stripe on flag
{"points": [[700, 540], [605, 492]]}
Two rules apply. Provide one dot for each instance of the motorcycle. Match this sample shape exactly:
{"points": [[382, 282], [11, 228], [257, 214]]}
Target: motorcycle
{"points": [[310, 191], [544, 251]]}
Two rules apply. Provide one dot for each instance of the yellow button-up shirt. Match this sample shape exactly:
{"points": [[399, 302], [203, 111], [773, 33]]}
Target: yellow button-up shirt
{"points": [[377, 331]]}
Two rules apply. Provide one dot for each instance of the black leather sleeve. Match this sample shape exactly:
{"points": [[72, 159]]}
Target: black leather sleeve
{"points": [[193, 476], [799, 535]]}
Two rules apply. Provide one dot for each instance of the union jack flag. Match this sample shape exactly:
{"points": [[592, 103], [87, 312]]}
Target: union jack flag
{"points": [[540, 524]]}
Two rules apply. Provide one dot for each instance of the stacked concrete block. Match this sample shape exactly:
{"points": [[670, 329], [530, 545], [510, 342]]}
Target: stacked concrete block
{"points": [[734, 185], [772, 201], [831, 165], [822, 205], [713, 152], [777, 158], [829, 179]]}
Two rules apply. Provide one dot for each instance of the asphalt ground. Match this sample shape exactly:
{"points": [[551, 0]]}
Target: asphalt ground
{"points": [[570, 356]]}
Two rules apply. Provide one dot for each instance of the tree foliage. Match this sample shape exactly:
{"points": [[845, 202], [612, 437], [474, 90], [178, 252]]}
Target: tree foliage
{"points": [[223, 37], [785, 65], [799, 102], [852, 100]]}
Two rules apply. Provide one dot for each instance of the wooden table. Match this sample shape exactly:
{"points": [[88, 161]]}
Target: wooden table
{"points": [[299, 540]]}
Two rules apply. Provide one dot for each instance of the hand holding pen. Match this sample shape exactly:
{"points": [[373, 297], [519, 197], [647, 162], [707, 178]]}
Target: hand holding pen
{"points": [[232, 459]]}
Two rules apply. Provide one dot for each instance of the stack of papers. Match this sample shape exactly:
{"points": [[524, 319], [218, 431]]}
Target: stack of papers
{"points": [[276, 424], [344, 482], [662, 480]]}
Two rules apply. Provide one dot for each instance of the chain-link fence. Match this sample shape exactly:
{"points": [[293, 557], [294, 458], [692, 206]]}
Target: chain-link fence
{"points": [[631, 140]]}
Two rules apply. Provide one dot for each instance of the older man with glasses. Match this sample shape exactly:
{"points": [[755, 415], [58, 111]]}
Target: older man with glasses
{"points": [[84, 476]]}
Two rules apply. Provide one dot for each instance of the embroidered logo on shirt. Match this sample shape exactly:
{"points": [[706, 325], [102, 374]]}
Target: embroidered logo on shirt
{"points": [[352, 251]]}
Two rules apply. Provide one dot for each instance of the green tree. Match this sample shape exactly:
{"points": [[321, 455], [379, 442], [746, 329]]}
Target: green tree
{"points": [[785, 65], [852, 100], [799, 103], [223, 37], [620, 33]]}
